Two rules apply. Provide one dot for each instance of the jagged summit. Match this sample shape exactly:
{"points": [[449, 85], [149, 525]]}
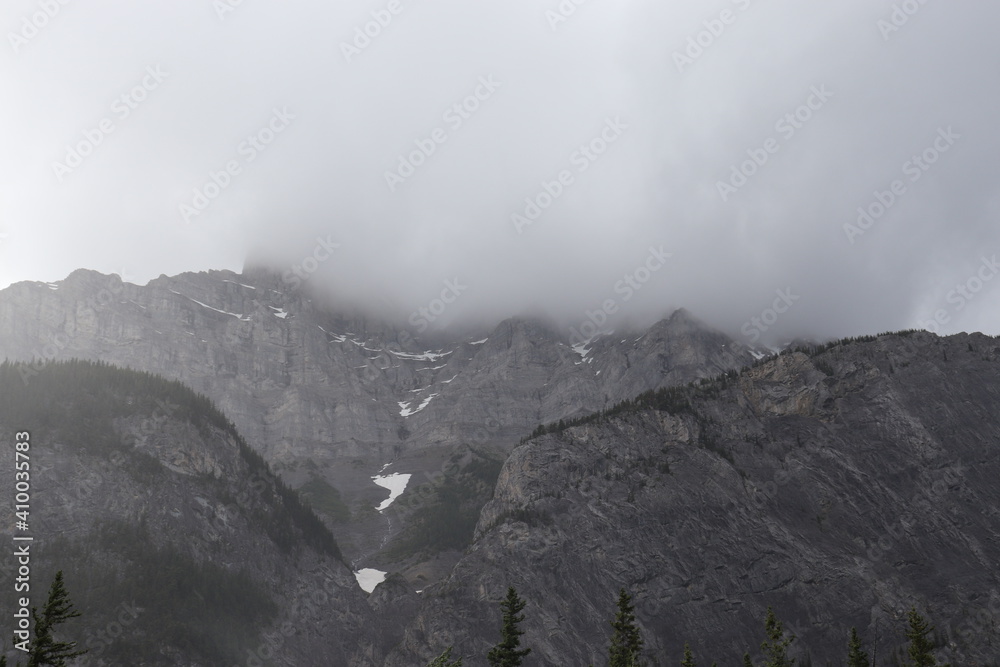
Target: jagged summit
{"points": [[331, 397]]}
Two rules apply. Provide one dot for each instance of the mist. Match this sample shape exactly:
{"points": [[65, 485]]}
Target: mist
{"points": [[778, 170]]}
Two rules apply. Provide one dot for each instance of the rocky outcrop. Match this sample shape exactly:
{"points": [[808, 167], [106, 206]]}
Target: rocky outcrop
{"points": [[841, 488], [336, 396]]}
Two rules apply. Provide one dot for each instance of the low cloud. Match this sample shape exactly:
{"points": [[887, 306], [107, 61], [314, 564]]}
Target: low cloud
{"points": [[530, 153]]}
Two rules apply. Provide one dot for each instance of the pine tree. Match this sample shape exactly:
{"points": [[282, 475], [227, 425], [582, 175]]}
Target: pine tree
{"points": [[506, 653], [920, 644], [443, 660], [688, 660], [747, 662], [626, 643], [856, 656], [46, 651], [775, 648]]}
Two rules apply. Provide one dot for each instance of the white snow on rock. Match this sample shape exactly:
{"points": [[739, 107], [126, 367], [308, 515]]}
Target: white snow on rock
{"points": [[240, 284], [396, 483], [582, 350], [423, 356], [279, 312], [224, 312], [404, 406], [337, 338], [362, 345], [479, 342], [757, 355], [368, 578]]}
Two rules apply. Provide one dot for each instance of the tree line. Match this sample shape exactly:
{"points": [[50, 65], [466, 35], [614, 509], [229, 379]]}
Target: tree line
{"points": [[626, 643]]}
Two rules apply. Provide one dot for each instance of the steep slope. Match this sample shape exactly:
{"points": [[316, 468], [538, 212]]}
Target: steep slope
{"points": [[841, 487], [178, 543], [331, 398]]}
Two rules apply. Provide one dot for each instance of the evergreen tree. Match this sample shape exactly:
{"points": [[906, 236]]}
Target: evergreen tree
{"points": [[443, 660], [626, 643], [920, 644], [46, 651], [856, 656], [506, 653], [776, 647], [747, 662], [688, 660]]}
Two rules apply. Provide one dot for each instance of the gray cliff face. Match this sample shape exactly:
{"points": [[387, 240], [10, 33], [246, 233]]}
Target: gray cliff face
{"points": [[335, 396], [841, 489]]}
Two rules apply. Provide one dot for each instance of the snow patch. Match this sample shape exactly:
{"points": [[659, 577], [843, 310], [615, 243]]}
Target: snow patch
{"points": [[362, 345], [423, 356], [279, 312], [396, 483], [456, 375], [404, 406], [757, 355], [233, 282], [369, 578], [224, 312], [479, 342]]}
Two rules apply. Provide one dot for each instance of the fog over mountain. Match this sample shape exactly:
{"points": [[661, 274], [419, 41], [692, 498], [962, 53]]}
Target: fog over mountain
{"points": [[581, 160]]}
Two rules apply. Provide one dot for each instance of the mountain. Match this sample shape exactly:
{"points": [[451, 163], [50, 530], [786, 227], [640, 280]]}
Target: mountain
{"points": [[178, 544], [331, 399], [840, 484]]}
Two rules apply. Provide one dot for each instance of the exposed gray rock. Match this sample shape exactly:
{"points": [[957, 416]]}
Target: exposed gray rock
{"points": [[160, 489], [318, 392], [839, 499]]}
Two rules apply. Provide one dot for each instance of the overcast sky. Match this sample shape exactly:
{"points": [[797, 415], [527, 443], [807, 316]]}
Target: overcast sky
{"points": [[628, 123]]}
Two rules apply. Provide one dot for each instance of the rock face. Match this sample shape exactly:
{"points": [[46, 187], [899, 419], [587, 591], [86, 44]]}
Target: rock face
{"points": [[178, 545], [840, 488], [334, 396]]}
